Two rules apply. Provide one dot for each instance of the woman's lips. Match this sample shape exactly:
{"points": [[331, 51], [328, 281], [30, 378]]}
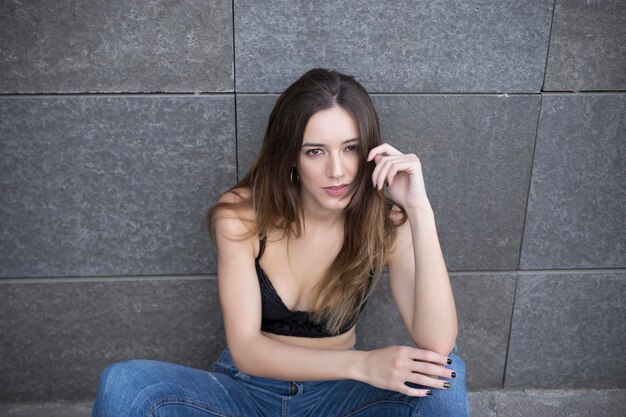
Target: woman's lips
{"points": [[336, 191]]}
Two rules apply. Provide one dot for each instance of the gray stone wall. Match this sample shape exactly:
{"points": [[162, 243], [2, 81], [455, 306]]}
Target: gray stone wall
{"points": [[122, 122]]}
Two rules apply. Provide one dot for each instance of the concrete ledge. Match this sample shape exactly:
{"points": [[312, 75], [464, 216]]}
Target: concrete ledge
{"points": [[548, 403], [52, 409], [497, 403]]}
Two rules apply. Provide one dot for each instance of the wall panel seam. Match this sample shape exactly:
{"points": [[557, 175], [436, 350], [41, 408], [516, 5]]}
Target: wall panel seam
{"points": [[545, 67], [508, 341], [530, 181], [125, 95]]}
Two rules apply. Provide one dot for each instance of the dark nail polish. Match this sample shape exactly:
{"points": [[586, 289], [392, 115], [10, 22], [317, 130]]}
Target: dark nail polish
{"points": [[429, 392], [453, 374], [449, 361], [446, 385]]}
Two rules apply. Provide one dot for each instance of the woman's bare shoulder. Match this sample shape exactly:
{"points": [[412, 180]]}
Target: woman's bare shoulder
{"points": [[234, 215], [236, 195]]}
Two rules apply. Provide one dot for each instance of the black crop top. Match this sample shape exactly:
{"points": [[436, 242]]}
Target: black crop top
{"points": [[278, 319]]}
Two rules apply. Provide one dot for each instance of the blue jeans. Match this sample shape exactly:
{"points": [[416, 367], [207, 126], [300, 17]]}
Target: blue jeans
{"points": [[149, 388]]}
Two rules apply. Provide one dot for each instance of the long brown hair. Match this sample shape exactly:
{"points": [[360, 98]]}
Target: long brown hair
{"points": [[275, 192]]}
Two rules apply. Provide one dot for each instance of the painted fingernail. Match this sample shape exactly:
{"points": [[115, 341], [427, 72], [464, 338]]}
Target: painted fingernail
{"points": [[446, 385], [449, 361], [429, 392], [453, 374]]}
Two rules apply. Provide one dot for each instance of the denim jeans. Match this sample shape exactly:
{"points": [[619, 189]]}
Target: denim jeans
{"points": [[150, 388]]}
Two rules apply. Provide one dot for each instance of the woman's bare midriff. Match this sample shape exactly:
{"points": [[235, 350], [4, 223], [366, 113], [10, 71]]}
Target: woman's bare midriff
{"points": [[341, 342]]}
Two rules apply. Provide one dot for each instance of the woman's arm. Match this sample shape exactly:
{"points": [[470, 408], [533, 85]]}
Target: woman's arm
{"points": [[423, 294], [417, 272], [256, 354]]}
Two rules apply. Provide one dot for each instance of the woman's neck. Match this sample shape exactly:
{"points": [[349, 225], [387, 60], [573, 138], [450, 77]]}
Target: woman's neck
{"points": [[318, 216], [322, 219]]}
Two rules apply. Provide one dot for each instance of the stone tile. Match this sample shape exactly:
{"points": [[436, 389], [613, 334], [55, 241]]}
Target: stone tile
{"points": [[476, 157], [253, 112], [112, 185], [571, 403], [484, 304], [411, 46], [116, 46], [476, 154], [568, 332], [57, 336], [484, 309], [576, 207], [587, 46], [374, 333]]}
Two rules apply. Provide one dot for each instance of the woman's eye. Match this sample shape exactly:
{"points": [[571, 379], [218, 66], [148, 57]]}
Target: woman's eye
{"points": [[314, 152], [351, 148]]}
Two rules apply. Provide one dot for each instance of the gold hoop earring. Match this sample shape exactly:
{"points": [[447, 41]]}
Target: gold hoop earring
{"points": [[291, 175]]}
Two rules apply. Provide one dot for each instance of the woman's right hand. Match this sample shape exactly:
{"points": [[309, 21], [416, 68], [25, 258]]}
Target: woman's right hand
{"points": [[390, 367]]}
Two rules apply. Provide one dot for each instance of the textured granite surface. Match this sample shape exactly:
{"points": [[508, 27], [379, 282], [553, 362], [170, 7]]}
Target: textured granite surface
{"points": [[47, 409], [574, 403], [568, 331], [481, 404], [101, 185], [484, 304], [587, 46], [116, 46], [59, 336], [253, 112], [410, 46], [548, 403], [476, 155], [577, 199]]}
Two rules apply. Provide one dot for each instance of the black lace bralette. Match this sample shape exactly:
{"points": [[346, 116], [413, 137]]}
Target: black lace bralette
{"points": [[278, 319]]}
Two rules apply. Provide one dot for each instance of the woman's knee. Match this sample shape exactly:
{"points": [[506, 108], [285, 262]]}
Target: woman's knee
{"points": [[127, 374], [120, 385], [451, 401], [459, 387], [457, 365]]}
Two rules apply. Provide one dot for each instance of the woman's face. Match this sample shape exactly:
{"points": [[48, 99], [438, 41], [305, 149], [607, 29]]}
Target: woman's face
{"points": [[328, 160]]}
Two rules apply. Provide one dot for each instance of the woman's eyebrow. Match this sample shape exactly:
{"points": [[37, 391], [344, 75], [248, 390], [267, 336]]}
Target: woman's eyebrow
{"points": [[321, 145]]}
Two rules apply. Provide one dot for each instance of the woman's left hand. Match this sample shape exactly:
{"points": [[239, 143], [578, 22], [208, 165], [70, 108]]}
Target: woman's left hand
{"points": [[403, 174]]}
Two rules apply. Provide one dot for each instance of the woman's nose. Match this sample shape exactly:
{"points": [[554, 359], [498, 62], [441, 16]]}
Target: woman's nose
{"points": [[335, 166]]}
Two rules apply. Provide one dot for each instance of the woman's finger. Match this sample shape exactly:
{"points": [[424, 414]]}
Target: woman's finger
{"points": [[380, 172], [432, 370], [389, 165], [391, 173], [427, 381], [385, 148], [387, 168], [380, 162], [429, 356], [414, 392]]}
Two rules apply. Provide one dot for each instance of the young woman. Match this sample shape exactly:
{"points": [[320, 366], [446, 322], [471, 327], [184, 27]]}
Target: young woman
{"points": [[302, 241]]}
